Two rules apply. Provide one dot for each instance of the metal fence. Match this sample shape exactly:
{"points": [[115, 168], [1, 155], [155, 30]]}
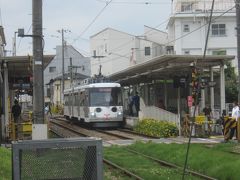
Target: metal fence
{"points": [[63, 159]]}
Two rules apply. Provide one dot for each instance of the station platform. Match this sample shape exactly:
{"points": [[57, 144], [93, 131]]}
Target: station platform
{"points": [[177, 140]]}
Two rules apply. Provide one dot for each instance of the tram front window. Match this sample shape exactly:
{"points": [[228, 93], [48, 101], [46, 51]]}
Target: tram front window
{"points": [[105, 97]]}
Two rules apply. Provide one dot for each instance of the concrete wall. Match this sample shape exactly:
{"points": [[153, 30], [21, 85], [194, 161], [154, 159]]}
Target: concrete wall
{"points": [[120, 50]]}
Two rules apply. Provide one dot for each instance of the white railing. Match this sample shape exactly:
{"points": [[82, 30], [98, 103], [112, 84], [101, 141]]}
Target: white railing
{"points": [[159, 114]]}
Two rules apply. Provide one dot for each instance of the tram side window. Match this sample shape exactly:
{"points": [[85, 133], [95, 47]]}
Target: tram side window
{"points": [[76, 99], [82, 98], [66, 98]]}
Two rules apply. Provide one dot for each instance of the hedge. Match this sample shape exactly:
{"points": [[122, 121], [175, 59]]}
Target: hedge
{"points": [[156, 128]]}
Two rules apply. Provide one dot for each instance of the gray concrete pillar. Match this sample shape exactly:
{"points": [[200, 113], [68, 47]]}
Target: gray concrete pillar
{"points": [[211, 90], [202, 104], [222, 89], [165, 93]]}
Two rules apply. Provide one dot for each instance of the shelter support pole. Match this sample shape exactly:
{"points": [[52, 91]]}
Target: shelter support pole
{"points": [[165, 93], [178, 100], [222, 89], [211, 90], [203, 104], [5, 123]]}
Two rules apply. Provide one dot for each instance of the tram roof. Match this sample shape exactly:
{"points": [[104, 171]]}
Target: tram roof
{"points": [[166, 66], [93, 85], [22, 65]]}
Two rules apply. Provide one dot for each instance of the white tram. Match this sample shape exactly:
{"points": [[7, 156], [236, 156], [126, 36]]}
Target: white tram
{"points": [[98, 103]]}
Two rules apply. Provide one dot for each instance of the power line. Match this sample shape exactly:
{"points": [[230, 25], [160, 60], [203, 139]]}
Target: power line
{"points": [[141, 35], [21, 38], [107, 3], [113, 59], [198, 89], [174, 40], [132, 2]]}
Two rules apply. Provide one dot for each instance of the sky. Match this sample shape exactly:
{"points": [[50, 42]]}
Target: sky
{"points": [[81, 19]]}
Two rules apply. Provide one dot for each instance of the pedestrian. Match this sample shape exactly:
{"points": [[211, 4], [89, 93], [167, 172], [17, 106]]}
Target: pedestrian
{"points": [[207, 112], [160, 104], [235, 116], [130, 104], [136, 103], [16, 111]]}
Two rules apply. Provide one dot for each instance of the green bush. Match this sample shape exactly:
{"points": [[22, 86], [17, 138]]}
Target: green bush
{"points": [[57, 109], [156, 128]]}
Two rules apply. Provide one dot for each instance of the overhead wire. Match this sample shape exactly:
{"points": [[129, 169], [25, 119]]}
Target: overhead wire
{"points": [[134, 2], [95, 18], [198, 91], [113, 59], [22, 37]]}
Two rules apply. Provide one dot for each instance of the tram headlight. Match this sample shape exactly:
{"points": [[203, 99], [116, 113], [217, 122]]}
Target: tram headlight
{"points": [[93, 114], [119, 113]]}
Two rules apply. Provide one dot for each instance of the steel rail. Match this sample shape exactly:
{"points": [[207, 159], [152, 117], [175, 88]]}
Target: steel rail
{"points": [[171, 165], [128, 173], [70, 129], [113, 134], [135, 133]]}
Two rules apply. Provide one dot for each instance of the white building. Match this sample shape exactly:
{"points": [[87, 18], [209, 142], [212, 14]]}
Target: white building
{"points": [[81, 65], [188, 24], [115, 50]]}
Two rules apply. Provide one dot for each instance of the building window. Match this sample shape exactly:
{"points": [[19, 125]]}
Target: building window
{"points": [[186, 52], [186, 28], [219, 52], [52, 69], [147, 51], [186, 6], [94, 53], [218, 29], [105, 48]]}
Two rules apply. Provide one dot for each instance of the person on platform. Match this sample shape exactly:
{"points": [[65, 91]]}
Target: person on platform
{"points": [[136, 103], [235, 116], [16, 111], [130, 104]]}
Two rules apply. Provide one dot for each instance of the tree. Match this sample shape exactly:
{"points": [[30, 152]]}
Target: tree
{"points": [[231, 84]]}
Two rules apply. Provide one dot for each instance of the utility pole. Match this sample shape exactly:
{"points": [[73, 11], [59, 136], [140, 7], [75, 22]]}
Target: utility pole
{"points": [[14, 45], [63, 45], [38, 95], [71, 71], [62, 31], [238, 43]]}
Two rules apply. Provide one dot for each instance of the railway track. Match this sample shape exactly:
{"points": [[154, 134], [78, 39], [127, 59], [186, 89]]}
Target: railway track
{"points": [[171, 165], [77, 130], [72, 132], [106, 135]]}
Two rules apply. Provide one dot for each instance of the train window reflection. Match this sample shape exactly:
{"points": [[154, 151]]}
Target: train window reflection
{"points": [[105, 96]]}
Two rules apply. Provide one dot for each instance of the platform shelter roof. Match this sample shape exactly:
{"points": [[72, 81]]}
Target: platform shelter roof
{"points": [[167, 66], [21, 66]]}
